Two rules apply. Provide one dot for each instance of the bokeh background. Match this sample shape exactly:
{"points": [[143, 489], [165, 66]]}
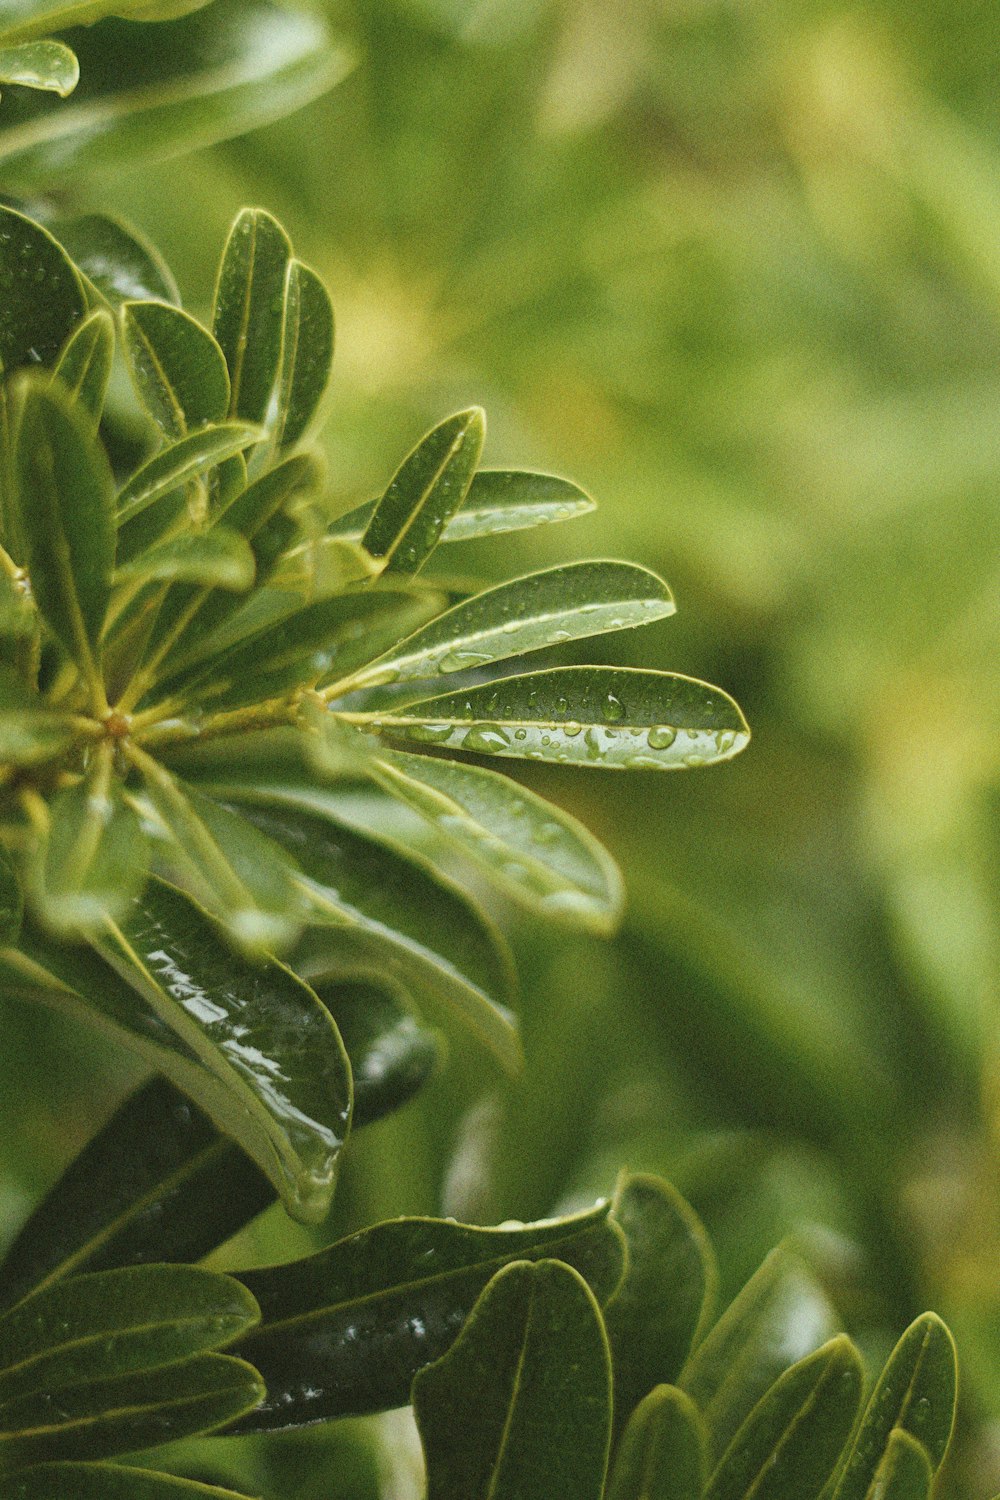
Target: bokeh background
{"points": [[734, 267]]}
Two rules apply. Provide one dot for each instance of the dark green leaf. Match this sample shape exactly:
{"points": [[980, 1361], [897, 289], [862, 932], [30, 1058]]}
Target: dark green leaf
{"points": [[915, 1392], [498, 500], [40, 65], [429, 486], [520, 1407], [121, 1415], [29, 732], [186, 459], [904, 1471], [789, 1444], [779, 1317], [662, 1455], [11, 901], [247, 321], [544, 609], [535, 851], [105, 1482], [178, 368], [84, 366], [668, 1291], [392, 1055], [113, 1323], [42, 296], [610, 718], [117, 259], [306, 352], [219, 558], [345, 1331]]}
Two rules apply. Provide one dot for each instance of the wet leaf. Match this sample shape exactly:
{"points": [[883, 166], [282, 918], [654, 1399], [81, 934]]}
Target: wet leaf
{"points": [[306, 352], [904, 1471], [178, 368], [33, 18], [662, 1454], [42, 296], [499, 500], [427, 488], [247, 321], [84, 366], [96, 854], [392, 1055], [117, 259], [186, 459], [40, 65]]}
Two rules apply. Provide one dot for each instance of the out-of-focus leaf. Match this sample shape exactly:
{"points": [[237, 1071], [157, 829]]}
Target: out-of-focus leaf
{"points": [[544, 609], [392, 918], [916, 1392], [520, 1407], [346, 1330], [29, 732], [667, 1293], [904, 1471], [186, 459], [662, 1454], [306, 352], [247, 321], [392, 1055], [789, 1444], [105, 1482], [535, 851], [154, 91], [84, 366], [96, 855], [113, 1323], [178, 368], [219, 558], [610, 718], [42, 296], [20, 19], [40, 65], [11, 901], [66, 499], [102, 1417], [427, 488], [145, 1189], [120, 262], [18, 616], [778, 1318], [498, 500]]}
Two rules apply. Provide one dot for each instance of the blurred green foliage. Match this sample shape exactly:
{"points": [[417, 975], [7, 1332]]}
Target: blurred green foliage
{"points": [[733, 267]]}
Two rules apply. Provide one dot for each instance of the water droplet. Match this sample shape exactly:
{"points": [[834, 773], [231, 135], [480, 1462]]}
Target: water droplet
{"points": [[613, 709], [463, 661], [725, 740], [562, 705], [661, 737], [520, 734], [571, 729], [432, 734], [694, 760], [485, 739], [510, 627], [593, 741]]}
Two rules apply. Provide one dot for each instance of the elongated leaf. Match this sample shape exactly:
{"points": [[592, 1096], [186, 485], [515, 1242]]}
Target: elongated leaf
{"points": [[779, 1317], [40, 65], [151, 92], [114, 1323], [43, 297], [662, 1455], [178, 368], [543, 609], [146, 1188], [429, 487], [66, 499], [186, 459], [306, 352], [84, 366], [96, 855], [788, 1446], [346, 1330], [535, 851], [392, 1055], [117, 259], [103, 1417], [395, 920], [915, 1392], [520, 1408], [219, 558], [668, 1291], [904, 1471], [105, 1482], [30, 733], [18, 616], [611, 718], [20, 19], [247, 321], [499, 500]]}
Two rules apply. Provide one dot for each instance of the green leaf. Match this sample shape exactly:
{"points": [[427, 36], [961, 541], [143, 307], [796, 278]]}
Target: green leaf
{"points": [[219, 558], [668, 1291], [105, 1482], [427, 488], [66, 498], [544, 609], [11, 901], [916, 1392], [520, 1407], [499, 500], [247, 321], [121, 1415], [186, 459], [18, 616], [306, 352], [533, 850], [40, 65], [151, 92], [118, 260], [392, 1055], [779, 1317], [145, 1188], [178, 368], [120, 1322], [84, 366], [393, 919], [96, 855], [29, 732], [345, 1331], [610, 718], [662, 1452], [43, 298], [789, 1444], [904, 1471], [32, 18]]}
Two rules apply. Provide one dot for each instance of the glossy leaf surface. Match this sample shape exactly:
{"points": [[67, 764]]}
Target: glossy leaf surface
{"points": [[247, 320], [662, 1454], [84, 366], [186, 459], [43, 298], [345, 1331], [904, 1471], [178, 368], [520, 1407], [499, 500], [392, 1055], [306, 352], [40, 65], [116, 259], [429, 487], [105, 1482], [32, 18], [96, 856]]}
